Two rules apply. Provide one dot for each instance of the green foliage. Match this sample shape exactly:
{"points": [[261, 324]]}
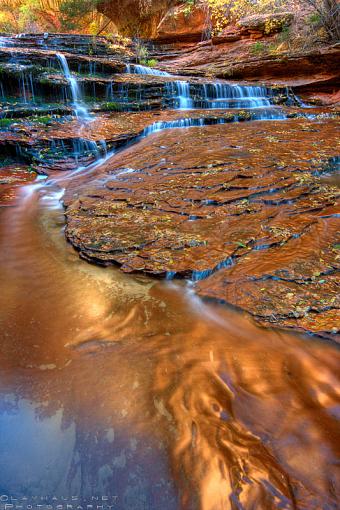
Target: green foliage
{"points": [[314, 18], [6, 123], [274, 25], [151, 62], [258, 48], [72, 11], [224, 12], [27, 12], [49, 15], [285, 34], [142, 53], [326, 15], [189, 4]]}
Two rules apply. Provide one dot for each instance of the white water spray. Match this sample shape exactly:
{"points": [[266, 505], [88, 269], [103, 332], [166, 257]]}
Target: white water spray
{"points": [[215, 96], [138, 69], [79, 107]]}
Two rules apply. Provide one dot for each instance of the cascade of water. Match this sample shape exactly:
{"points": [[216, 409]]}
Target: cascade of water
{"points": [[2, 91], [160, 126], [183, 89], [82, 147], [217, 95], [92, 68], [26, 87], [186, 96], [79, 107], [207, 121], [3, 42], [109, 92], [139, 69], [30, 79], [123, 93]]}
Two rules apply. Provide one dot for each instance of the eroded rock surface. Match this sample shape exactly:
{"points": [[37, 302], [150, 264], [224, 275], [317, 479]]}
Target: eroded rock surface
{"points": [[259, 25], [135, 17], [243, 211], [183, 23]]}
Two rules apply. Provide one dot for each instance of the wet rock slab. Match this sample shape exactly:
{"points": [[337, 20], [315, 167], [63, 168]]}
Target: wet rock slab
{"points": [[12, 177], [240, 210], [55, 143]]}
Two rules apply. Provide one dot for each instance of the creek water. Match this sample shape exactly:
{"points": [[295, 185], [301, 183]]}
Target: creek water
{"points": [[134, 390]]}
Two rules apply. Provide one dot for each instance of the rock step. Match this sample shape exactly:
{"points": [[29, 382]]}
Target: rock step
{"points": [[71, 43]]}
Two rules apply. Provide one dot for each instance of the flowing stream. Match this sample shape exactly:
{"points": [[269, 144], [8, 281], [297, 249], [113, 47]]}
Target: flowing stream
{"points": [[134, 390]]}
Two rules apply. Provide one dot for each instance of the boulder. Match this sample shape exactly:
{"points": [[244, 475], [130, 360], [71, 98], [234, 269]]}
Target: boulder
{"points": [[265, 24]]}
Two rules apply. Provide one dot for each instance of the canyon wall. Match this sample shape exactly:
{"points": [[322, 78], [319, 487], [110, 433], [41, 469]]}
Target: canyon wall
{"points": [[136, 17]]}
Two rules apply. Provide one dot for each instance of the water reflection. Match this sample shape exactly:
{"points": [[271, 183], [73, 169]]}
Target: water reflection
{"points": [[120, 386]]}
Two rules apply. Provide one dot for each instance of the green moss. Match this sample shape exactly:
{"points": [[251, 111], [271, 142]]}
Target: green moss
{"points": [[42, 119], [111, 107], [6, 123]]}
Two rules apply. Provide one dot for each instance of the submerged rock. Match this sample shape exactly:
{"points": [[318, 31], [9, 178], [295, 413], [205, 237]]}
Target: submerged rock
{"points": [[12, 176], [242, 210]]}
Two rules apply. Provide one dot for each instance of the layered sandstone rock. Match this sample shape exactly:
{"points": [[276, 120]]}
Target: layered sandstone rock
{"points": [[310, 72]]}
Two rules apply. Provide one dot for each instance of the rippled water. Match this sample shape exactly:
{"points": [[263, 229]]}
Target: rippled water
{"points": [[134, 390]]}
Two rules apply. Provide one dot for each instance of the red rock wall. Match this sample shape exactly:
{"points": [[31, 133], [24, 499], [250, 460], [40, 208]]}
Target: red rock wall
{"points": [[136, 17], [182, 24]]}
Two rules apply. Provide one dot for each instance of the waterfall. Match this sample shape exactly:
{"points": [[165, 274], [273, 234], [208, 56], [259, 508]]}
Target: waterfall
{"points": [[217, 95], [180, 92], [138, 69], [109, 92], [79, 107], [2, 91], [3, 42], [205, 121], [183, 95], [26, 87], [185, 101]]}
